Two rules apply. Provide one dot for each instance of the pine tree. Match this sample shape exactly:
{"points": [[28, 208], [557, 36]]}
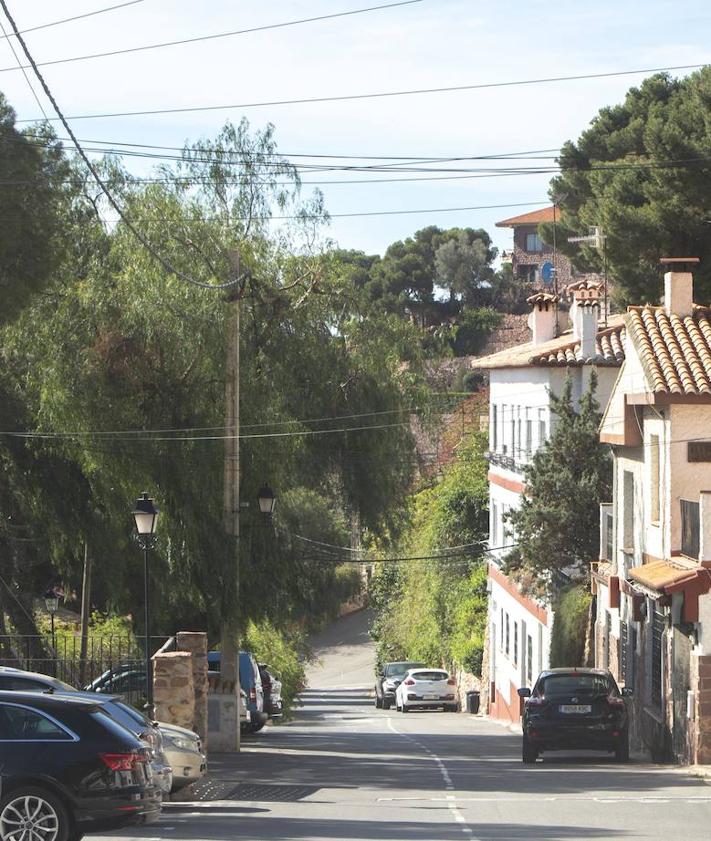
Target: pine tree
{"points": [[556, 528]]}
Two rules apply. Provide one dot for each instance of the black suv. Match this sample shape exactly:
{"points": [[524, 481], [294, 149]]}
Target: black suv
{"points": [[571, 709], [67, 768], [389, 678]]}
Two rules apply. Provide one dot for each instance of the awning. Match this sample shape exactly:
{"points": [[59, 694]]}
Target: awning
{"points": [[660, 578]]}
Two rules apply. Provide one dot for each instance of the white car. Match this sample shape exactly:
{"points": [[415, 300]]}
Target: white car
{"points": [[426, 689], [183, 750]]}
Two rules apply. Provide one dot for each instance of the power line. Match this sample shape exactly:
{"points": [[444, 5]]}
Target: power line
{"points": [[99, 180], [400, 559], [24, 73], [212, 37], [380, 94], [76, 17]]}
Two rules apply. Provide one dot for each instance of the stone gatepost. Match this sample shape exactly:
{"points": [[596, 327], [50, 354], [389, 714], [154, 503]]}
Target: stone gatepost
{"points": [[223, 715], [173, 690], [196, 644]]}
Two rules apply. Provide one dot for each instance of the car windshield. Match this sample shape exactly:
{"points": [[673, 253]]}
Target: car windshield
{"points": [[570, 684], [398, 669], [430, 675]]}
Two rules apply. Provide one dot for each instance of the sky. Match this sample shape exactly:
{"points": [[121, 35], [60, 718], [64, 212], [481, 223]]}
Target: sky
{"points": [[424, 44]]}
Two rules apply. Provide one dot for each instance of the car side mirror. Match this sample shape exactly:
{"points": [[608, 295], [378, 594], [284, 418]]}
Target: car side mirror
{"points": [[627, 692], [524, 692]]}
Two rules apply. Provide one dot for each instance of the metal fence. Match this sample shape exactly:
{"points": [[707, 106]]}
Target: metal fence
{"points": [[117, 659]]}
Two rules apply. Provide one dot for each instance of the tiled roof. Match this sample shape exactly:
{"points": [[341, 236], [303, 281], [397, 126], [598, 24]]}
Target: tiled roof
{"points": [[586, 283], [542, 298], [658, 575], [563, 351], [675, 352], [534, 217]]}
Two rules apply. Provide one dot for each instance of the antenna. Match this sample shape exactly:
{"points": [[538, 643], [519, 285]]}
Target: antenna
{"points": [[598, 240]]}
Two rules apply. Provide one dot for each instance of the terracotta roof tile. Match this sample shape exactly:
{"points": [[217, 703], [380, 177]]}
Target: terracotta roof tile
{"points": [[534, 217], [675, 351]]}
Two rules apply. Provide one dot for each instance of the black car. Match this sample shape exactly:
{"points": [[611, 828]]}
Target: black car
{"points": [[388, 678], [67, 768], [571, 709]]}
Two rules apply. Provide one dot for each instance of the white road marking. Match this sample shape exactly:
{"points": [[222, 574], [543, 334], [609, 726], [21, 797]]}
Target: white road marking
{"points": [[450, 799]]}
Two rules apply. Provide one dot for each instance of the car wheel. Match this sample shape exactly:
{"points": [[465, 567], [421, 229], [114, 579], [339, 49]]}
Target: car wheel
{"points": [[451, 708], [378, 702], [44, 812], [622, 750], [386, 704], [255, 728], [404, 708], [529, 754]]}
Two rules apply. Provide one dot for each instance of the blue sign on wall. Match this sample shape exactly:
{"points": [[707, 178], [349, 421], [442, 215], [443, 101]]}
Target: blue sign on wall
{"points": [[547, 272]]}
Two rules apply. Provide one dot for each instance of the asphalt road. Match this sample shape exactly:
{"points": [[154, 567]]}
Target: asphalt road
{"points": [[344, 770]]}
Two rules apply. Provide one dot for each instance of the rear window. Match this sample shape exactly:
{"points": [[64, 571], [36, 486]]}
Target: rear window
{"points": [[567, 684], [430, 675], [399, 668], [115, 729]]}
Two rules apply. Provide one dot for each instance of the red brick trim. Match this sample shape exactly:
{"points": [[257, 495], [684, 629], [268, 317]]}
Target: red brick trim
{"points": [[510, 484], [511, 588]]}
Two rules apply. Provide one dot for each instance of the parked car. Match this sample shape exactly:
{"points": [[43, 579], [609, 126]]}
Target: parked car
{"points": [[183, 750], [251, 682], [126, 679], [389, 678], [271, 686], [575, 709], [68, 768], [17, 680], [426, 689]]}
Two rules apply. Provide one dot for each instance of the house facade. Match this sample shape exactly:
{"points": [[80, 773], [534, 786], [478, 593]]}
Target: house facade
{"points": [[521, 380], [652, 582]]}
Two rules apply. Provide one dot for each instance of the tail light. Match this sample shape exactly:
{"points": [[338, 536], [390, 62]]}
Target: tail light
{"points": [[409, 682], [451, 682], [535, 701], [121, 761], [253, 693], [614, 701]]}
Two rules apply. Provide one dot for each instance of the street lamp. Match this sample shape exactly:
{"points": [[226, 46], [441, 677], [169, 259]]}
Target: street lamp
{"points": [[267, 500], [146, 516], [51, 600]]}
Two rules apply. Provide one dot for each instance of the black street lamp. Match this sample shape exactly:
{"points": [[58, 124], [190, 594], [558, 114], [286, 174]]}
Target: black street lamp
{"points": [[146, 516], [51, 600], [267, 500]]}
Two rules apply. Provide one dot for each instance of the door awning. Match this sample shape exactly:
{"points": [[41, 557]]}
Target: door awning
{"points": [[660, 578]]}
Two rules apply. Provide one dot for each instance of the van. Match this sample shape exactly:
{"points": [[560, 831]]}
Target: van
{"points": [[251, 683]]}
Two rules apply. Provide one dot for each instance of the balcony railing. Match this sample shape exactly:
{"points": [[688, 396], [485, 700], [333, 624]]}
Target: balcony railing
{"points": [[506, 461]]}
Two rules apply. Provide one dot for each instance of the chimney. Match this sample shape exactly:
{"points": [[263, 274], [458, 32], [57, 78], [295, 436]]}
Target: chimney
{"points": [[542, 319], [585, 313], [679, 285]]}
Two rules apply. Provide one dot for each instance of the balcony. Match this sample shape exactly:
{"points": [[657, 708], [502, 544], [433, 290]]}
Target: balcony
{"points": [[506, 461]]}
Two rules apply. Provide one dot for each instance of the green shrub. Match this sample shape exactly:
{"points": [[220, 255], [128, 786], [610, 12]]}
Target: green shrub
{"points": [[286, 652], [570, 626]]}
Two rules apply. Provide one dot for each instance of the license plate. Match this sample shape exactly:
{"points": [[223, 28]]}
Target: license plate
{"points": [[575, 708], [430, 697]]}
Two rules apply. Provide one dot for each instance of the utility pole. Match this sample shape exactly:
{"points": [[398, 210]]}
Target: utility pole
{"points": [[85, 612], [229, 659]]}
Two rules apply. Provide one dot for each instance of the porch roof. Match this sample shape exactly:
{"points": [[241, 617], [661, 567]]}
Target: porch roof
{"points": [[666, 576]]}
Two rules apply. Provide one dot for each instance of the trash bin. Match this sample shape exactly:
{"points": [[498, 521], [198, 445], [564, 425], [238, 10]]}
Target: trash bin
{"points": [[473, 700]]}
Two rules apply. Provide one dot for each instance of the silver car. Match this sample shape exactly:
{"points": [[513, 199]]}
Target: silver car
{"points": [[183, 751]]}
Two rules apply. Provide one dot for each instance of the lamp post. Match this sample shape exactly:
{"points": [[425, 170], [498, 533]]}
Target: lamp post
{"points": [[146, 516], [267, 500], [51, 600]]}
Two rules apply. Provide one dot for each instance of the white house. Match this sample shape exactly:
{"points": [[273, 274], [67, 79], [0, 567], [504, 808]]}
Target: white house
{"points": [[653, 626], [521, 380]]}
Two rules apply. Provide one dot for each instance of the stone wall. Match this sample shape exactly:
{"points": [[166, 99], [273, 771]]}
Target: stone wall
{"points": [[196, 644], [223, 715], [700, 729], [173, 688], [466, 682]]}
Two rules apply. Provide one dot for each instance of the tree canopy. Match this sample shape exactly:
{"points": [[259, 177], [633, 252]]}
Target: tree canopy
{"points": [[641, 171]]}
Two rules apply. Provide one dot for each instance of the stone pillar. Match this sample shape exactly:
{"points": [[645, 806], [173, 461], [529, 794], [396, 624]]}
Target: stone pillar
{"points": [[223, 715], [700, 679], [196, 644], [173, 691]]}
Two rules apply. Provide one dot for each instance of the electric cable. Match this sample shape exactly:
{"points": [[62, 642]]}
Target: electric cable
{"points": [[380, 94], [24, 73], [99, 180], [212, 37], [77, 17]]}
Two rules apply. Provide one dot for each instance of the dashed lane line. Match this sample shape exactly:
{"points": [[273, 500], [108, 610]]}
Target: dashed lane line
{"points": [[450, 799]]}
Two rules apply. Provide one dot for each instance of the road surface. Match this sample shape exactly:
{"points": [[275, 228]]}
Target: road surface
{"points": [[344, 770]]}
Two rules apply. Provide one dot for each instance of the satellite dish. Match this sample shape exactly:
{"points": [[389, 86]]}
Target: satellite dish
{"points": [[547, 272]]}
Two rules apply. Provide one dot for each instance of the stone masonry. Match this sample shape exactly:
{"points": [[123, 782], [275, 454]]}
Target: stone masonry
{"points": [[173, 688], [700, 735], [196, 644]]}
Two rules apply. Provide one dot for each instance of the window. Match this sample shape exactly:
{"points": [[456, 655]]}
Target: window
{"points": [[518, 432], [508, 630], [690, 528], [608, 536], [493, 443], [529, 660], [501, 626], [529, 435], [527, 273], [23, 724], [515, 643], [541, 427], [494, 530], [628, 510], [504, 448], [534, 243], [514, 449], [628, 646], [654, 477]]}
